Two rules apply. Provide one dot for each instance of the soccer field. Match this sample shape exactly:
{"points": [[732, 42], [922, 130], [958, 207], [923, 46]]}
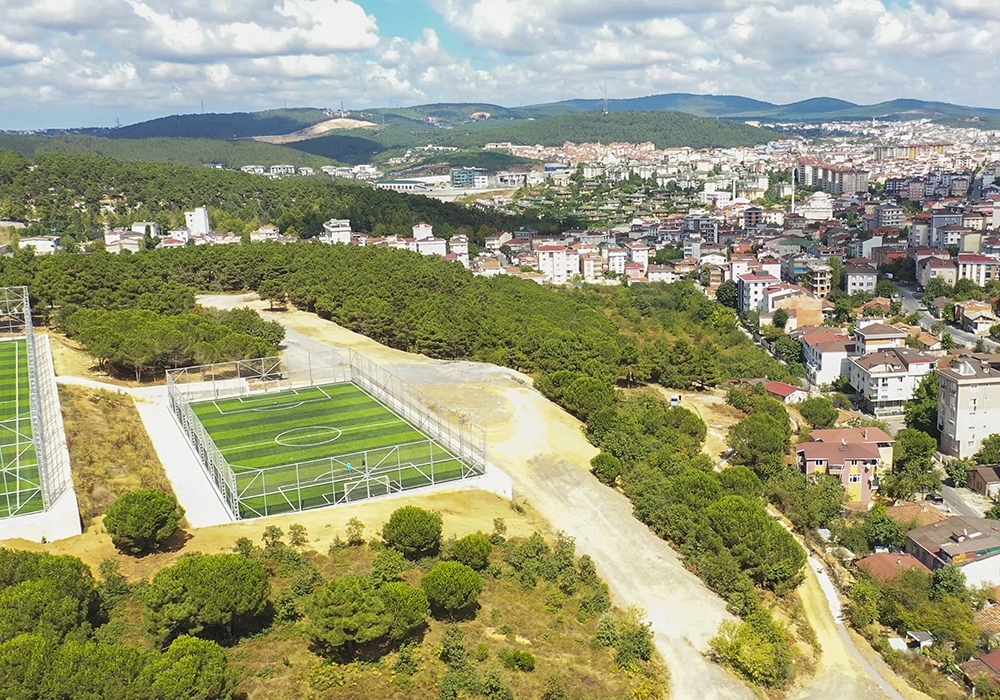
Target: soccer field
{"points": [[315, 446], [20, 481]]}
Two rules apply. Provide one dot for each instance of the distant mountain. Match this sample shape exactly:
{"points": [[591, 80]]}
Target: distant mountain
{"points": [[238, 125], [699, 105]]}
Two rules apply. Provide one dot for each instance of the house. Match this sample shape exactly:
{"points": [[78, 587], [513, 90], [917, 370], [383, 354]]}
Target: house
{"points": [[803, 307], [336, 231], [986, 664], [931, 268], [885, 380], [855, 464], [552, 263], [786, 393], [878, 336], [985, 480], [864, 436], [919, 639], [885, 566], [975, 316], [978, 268], [914, 514], [826, 351], [970, 543]]}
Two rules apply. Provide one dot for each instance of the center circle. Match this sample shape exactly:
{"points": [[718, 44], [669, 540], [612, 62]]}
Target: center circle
{"points": [[309, 436]]}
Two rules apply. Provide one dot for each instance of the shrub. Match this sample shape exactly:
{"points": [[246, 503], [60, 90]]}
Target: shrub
{"points": [[819, 412], [140, 521], [451, 586], [413, 531], [355, 532], [297, 535], [517, 659], [606, 467], [482, 652], [473, 551], [387, 567]]}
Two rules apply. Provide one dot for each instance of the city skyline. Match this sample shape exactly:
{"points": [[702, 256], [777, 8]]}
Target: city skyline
{"points": [[88, 63]]}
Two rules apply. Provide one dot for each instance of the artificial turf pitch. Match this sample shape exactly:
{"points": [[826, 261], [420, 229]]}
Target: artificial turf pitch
{"points": [[315, 443], [20, 481]]}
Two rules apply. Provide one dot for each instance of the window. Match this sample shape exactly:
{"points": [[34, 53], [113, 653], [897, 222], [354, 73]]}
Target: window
{"points": [[854, 478]]}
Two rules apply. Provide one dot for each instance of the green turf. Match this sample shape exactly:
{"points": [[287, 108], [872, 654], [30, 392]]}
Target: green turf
{"points": [[20, 481], [328, 434]]}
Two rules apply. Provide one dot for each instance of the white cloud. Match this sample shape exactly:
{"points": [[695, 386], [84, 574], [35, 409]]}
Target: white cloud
{"points": [[168, 54]]}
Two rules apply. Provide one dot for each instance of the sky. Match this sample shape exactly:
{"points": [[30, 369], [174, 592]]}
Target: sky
{"points": [[67, 63]]}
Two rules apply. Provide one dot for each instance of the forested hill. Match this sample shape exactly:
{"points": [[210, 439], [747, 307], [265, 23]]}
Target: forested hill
{"points": [[665, 129], [238, 125], [67, 193]]}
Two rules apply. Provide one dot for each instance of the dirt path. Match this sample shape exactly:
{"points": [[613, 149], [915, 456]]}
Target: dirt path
{"points": [[544, 451]]}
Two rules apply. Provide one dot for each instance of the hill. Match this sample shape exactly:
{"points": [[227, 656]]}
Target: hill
{"points": [[185, 151], [698, 105], [238, 125], [665, 129]]}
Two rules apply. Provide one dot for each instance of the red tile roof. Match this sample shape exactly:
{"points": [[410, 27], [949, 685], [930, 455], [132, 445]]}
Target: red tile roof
{"points": [[886, 566]]}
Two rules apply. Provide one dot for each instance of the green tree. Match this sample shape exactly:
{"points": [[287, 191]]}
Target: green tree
{"points": [[606, 468], [272, 290], [885, 288], [406, 607], [727, 294], [348, 613], [779, 318], [473, 550], [819, 412], [989, 450], [191, 668], [948, 342], [297, 535], [760, 442], [413, 531], [958, 471], [452, 587], [949, 581], [921, 412], [211, 593], [39, 606], [140, 521], [993, 512]]}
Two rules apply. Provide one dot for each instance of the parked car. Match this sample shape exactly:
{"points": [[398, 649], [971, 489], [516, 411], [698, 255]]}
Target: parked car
{"points": [[934, 498], [675, 400]]}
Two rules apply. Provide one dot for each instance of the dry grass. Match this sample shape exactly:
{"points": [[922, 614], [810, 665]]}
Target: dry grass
{"points": [[109, 449], [925, 675], [71, 360], [283, 665]]}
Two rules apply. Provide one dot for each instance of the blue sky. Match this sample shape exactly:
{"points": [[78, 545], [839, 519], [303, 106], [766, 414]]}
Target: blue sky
{"points": [[90, 62]]}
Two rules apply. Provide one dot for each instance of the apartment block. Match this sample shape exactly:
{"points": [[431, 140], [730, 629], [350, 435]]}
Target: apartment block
{"points": [[968, 403]]}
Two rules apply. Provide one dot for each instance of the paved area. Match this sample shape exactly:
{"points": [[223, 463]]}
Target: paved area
{"points": [[202, 504]]}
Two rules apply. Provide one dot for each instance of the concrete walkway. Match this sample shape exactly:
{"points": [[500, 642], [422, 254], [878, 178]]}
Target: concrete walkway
{"points": [[202, 505]]}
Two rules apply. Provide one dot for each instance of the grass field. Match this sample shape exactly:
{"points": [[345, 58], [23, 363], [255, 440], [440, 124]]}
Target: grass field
{"points": [[20, 481], [311, 447]]}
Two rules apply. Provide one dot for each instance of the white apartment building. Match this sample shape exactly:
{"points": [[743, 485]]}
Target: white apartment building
{"points": [[750, 289], [860, 278], [552, 263], [885, 380], [826, 352], [141, 226], [639, 253], [423, 230], [337, 231], [617, 257], [282, 169], [591, 265], [432, 246], [878, 336], [978, 268], [196, 222], [968, 403]]}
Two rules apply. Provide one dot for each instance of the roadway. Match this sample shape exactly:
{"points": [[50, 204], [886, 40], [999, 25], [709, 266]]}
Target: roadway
{"points": [[911, 299]]}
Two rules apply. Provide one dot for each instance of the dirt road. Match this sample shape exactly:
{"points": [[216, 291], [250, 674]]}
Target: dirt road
{"points": [[545, 452]]}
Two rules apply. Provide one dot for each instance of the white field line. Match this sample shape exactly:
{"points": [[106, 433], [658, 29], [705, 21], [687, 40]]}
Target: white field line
{"points": [[342, 430]]}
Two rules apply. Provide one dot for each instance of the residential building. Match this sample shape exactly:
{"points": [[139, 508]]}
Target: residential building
{"points": [[639, 253], [860, 278], [855, 464], [968, 403], [975, 316], [803, 308], [818, 279], [336, 231], [889, 216], [878, 336], [985, 481], [42, 245], [786, 393], [885, 380], [969, 543], [282, 170], [931, 268], [552, 263], [868, 436], [885, 566], [750, 289], [978, 268], [826, 352], [753, 217], [196, 222], [617, 257], [144, 227], [422, 231]]}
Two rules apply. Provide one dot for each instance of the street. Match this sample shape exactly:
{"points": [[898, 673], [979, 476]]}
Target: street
{"points": [[911, 299]]}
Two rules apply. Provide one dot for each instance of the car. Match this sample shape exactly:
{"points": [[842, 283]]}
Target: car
{"points": [[934, 498], [675, 400]]}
